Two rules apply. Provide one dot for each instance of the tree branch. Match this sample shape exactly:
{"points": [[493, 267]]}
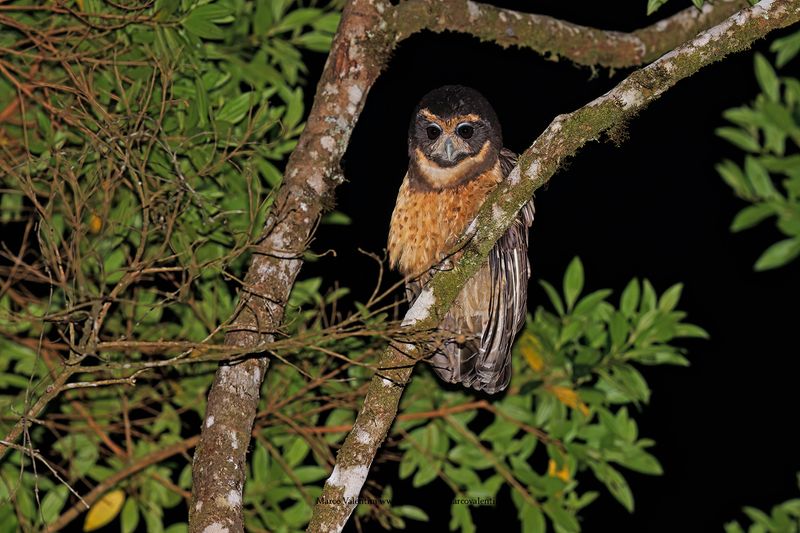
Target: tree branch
{"points": [[562, 138], [548, 35], [358, 54]]}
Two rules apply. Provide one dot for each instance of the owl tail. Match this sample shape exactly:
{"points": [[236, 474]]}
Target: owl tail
{"points": [[487, 315]]}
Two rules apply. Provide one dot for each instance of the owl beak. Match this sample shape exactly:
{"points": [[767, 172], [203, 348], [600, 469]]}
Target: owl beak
{"points": [[449, 149], [446, 150]]}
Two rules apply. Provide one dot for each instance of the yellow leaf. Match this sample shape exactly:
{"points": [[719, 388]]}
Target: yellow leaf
{"points": [[95, 224], [531, 349], [554, 471], [569, 398], [80, 4], [104, 510]]}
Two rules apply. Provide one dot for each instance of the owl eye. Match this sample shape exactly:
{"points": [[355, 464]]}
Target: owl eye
{"points": [[465, 131], [433, 131]]}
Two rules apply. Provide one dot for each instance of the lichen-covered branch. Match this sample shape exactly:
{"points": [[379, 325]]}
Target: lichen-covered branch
{"points": [[358, 54], [548, 35], [562, 138]]}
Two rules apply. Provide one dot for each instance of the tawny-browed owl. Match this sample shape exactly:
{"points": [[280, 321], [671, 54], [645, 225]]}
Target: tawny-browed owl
{"points": [[457, 158]]}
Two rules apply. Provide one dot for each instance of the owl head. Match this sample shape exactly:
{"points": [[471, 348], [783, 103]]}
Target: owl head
{"points": [[454, 136]]}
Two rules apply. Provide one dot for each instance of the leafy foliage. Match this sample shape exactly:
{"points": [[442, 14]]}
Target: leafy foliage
{"points": [[566, 412], [768, 130], [783, 518], [140, 144]]}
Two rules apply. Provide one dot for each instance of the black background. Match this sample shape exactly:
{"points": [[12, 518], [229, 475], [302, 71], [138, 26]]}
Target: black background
{"points": [[652, 207]]}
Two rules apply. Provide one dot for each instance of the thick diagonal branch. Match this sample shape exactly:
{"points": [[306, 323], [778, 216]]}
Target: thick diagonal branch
{"points": [[562, 138], [358, 54], [548, 35]]}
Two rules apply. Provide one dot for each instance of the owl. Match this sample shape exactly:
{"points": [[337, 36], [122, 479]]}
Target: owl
{"points": [[456, 153]]}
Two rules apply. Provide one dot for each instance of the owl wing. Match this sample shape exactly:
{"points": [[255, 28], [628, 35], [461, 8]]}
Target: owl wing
{"points": [[489, 310]]}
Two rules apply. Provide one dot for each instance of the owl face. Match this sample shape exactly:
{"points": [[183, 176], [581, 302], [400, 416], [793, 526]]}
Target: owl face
{"points": [[453, 133]]}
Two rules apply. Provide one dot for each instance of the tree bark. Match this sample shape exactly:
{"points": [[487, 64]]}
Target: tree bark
{"points": [[565, 135], [357, 56], [549, 36]]}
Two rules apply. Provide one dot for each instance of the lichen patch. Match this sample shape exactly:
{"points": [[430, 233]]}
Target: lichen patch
{"points": [[350, 479], [216, 527]]}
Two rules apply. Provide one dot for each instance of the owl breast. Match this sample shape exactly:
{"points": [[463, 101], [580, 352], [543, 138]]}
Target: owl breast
{"points": [[426, 223]]}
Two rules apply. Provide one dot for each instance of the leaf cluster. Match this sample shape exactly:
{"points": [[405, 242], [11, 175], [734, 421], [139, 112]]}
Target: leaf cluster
{"points": [[567, 412], [140, 144], [768, 131], [783, 518]]}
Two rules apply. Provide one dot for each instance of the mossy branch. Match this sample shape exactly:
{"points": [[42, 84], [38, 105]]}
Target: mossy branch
{"points": [[565, 135], [553, 37]]}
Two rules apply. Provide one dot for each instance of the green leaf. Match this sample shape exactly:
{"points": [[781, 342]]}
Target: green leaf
{"points": [[294, 109], [469, 456], [759, 179], [735, 178], [778, 254], [166, 8], [295, 453], [262, 18], [462, 475], [499, 430], [298, 18], [670, 298], [690, 330], [560, 517], [630, 298], [750, 216], [555, 299], [315, 41], [212, 12], [154, 521], [409, 463], [648, 297], [618, 327], [199, 23], [780, 117], [766, 77], [638, 460], [759, 517], [129, 518], [698, 3], [740, 138], [659, 357], [425, 475], [733, 527], [409, 511], [532, 520], [235, 110], [53, 502], [786, 47], [653, 5], [615, 483], [590, 302], [461, 518], [745, 116], [310, 474], [327, 23], [573, 282]]}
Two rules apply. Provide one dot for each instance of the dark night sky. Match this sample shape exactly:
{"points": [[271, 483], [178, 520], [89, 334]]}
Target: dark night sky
{"points": [[653, 207]]}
